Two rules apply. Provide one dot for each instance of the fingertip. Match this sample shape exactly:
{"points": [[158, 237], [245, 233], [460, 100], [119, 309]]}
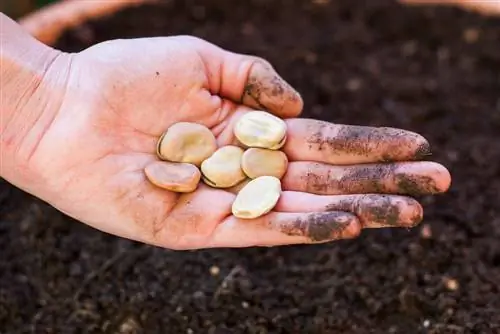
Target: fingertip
{"points": [[411, 213], [422, 178], [336, 224], [266, 89], [440, 175], [443, 178], [423, 148], [402, 145], [353, 229], [293, 105]]}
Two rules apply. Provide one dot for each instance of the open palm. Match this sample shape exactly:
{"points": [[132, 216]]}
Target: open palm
{"points": [[122, 95]]}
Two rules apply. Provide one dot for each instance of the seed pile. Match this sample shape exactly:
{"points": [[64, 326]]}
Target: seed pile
{"points": [[252, 170]]}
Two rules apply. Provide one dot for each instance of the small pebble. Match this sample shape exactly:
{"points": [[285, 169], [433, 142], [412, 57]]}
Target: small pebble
{"points": [[130, 325], [426, 323], [214, 270], [245, 305], [426, 232], [451, 284]]}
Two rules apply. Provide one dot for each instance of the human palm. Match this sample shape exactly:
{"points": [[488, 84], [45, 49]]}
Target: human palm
{"points": [[122, 95]]}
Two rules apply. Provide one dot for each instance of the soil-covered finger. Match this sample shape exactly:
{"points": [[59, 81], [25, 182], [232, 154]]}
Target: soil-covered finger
{"points": [[266, 90], [248, 80], [373, 210], [315, 140], [404, 178], [279, 228]]}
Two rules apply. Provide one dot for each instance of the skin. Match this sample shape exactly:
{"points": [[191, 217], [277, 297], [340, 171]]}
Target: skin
{"points": [[79, 129]]}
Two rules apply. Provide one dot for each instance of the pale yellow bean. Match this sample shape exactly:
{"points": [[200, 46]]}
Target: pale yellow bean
{"points": [[263, 162], [257, 198], [261, 129], [173, 176], [223, 168], [187, 142]]}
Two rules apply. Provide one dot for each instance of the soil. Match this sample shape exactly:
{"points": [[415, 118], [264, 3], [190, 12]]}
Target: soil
{"points": [[435, 71]]}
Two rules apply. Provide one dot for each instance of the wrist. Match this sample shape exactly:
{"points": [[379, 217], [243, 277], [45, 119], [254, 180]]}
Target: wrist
{"points": [[33, 78]]}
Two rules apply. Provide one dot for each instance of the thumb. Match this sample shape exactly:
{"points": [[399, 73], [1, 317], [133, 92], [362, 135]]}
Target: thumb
{"points": [[248, 80]]}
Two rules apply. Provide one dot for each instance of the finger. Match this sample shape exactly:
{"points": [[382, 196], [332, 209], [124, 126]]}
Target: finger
{"points": [[278, 228], [248, 80], [405, 178], [314, 140], [372, 210], [265, 89]]}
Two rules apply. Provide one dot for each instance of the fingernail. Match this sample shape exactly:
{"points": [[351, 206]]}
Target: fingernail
{"points": [[423, 151]]}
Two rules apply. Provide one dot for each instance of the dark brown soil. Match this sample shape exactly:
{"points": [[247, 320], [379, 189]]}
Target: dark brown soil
{"points": [[434, 71]]}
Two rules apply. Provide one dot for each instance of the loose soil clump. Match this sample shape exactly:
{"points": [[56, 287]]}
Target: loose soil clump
{"points": [[435, 71]]}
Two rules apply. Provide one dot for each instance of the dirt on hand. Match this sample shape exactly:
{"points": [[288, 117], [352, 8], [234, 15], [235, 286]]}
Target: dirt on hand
{"points": [[355, 62]]}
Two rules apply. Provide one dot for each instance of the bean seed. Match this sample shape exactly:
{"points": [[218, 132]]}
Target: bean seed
{"points": [[263, 162], [187, 142], [223, 168], [257, 198], [261, 129], [173, 176]]}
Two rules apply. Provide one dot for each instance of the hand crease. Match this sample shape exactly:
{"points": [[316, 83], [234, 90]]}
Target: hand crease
{"points": [[46, 128]]}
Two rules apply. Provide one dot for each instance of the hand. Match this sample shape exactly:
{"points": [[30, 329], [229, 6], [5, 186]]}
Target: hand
{"points": [[120, 96]]}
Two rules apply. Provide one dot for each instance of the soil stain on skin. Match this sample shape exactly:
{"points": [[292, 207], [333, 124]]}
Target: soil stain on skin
{"points": [[253, 91], [318, 227], [365, 141], [385, 214], [359, 180], [364, 179], [266, 89], [379, 209], [373, 178], [415, 185]]}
